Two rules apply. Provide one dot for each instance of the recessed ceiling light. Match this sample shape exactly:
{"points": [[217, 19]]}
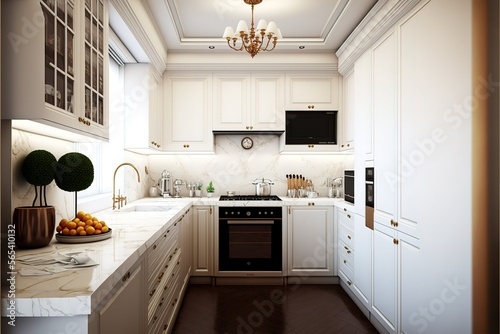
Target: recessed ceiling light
{"points": [[302, 47], [211, 47]]}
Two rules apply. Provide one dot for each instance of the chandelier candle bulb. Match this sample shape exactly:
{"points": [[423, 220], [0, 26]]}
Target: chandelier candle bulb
{"points": [[242, 27], [228, 33], [271, 28], [262, 25]]}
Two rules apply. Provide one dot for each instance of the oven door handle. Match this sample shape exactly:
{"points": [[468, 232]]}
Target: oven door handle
{"points": [[250, 222]]}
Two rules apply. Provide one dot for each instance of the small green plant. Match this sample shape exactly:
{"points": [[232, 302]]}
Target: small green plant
{"points": [[199, 184], [210, 187]]}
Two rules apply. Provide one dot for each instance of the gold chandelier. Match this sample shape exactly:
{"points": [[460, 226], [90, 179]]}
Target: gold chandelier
{"points": [[264, 40]]}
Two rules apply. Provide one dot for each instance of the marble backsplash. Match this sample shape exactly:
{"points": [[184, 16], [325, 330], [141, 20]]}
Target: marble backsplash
{"points": [[230, 168], [233, 168]]}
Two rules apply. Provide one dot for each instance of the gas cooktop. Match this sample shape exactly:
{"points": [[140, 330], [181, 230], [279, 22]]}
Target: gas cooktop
{"points": [[249, 198]]}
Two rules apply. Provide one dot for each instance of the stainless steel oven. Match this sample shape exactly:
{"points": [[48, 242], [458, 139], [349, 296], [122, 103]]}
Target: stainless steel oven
{"points": [[250, 240]]}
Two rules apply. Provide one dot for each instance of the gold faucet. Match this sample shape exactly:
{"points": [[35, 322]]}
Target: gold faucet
{"points": [[120, 199]]}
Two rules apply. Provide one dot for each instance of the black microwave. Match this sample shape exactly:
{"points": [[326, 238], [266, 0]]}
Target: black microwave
{"points": [[318, 127]]}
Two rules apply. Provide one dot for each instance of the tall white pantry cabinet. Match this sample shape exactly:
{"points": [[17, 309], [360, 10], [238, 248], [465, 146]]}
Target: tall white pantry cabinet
{"points": [[412, 88]]}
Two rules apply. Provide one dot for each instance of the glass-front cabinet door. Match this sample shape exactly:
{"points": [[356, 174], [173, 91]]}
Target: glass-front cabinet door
{"points": [[56, 54], [59, 46]]}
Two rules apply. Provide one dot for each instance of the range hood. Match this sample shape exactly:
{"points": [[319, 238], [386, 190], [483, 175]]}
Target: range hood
{"points": [[248, 132]]}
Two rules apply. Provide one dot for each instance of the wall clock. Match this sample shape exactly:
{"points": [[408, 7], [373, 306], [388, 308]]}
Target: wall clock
{"points": [[247, 143]]}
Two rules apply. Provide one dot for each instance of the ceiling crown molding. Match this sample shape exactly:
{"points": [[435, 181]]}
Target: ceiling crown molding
{"points": [[377, 22], [147, 38]]}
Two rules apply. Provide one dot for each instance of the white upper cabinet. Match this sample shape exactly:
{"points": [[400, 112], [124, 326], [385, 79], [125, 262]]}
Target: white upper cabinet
{"points": [[318, 91], [143, 108], [188, 113], [347, 134], [55, 59], [248, 102]]}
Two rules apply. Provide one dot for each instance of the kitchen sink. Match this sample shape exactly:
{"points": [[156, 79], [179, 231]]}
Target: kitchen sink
{"points": [[146, 208]]}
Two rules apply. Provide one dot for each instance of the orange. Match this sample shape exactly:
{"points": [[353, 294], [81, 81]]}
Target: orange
{"points": [[59, 228], [87, 217], [71, 225], [82, 232], [103, 223], [97, 232], [98, 226], [90, 230], [79, 229], [104, 229], [72, 232], [76, 220], [81, 224], [89, 222], [80, 215], [63, 222], [65, 231]]}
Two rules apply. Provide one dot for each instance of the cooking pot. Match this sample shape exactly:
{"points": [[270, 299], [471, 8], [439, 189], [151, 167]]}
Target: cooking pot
{"points": [[262, 187]]}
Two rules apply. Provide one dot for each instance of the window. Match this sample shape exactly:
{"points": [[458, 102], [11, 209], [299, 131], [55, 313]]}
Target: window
{"points": [[105, 156]]}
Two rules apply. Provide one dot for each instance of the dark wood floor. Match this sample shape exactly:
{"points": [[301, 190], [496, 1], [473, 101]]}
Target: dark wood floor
{"points": [[295, 309]]}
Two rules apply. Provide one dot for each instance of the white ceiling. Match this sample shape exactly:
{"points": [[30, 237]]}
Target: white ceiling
{"points": [[317, 25]]}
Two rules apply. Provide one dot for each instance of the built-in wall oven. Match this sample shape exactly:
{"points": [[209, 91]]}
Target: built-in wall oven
{"points": [[250, 240], [349, 185]]}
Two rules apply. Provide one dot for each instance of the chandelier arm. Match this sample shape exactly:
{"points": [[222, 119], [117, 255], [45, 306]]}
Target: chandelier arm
{"points": [[234, 45]]}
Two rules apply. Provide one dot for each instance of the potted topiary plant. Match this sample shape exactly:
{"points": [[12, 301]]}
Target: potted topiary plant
{"points": [[74, 172], [35, 224], [210, 189], [197, 191]]}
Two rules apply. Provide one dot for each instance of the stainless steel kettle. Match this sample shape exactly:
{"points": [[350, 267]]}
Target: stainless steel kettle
{"points": [[165, 184]]}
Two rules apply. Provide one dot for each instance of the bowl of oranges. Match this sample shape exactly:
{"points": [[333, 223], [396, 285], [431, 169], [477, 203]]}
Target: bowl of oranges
{"points": [[83, 228]]}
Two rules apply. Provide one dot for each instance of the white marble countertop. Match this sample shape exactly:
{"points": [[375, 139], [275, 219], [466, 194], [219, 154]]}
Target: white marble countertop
{"points": [[78, 291]]}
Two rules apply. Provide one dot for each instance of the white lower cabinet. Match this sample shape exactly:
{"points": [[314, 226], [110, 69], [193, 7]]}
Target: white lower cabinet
{"points": [[355, 253], [310, 240], [202, 241], [384, 306], [362, 286], [167, 276], [124, 312]]}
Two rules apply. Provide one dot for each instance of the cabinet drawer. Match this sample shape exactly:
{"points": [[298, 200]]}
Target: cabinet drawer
{"points": [[346, 217], [346, 263], [163, 269], [158, 249], [346, 236], [163, 287], [162, 322], [346, 252]]}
